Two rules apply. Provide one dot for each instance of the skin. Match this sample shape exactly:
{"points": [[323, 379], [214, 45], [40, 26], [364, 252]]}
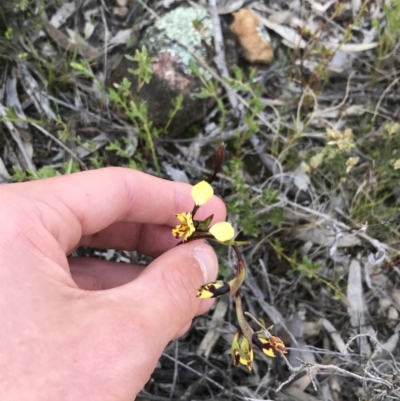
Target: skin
{"points": [[87, 329]]}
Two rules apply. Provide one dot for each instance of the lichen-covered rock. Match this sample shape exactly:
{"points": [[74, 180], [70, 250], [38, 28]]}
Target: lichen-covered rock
{"points": [[170, 43]]}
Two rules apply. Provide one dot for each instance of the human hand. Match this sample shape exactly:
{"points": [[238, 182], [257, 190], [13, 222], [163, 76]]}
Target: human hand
{"points": [[60, 341]]}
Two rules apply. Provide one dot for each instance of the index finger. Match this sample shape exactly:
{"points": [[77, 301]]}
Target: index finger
{"points": [[85, 203]]}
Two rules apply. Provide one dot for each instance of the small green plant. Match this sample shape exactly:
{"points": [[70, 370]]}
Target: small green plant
{"points": [[253, 92], [336, 150], [244, 86], [210, 89], [177, 104], [377, 201], [96, 161], [144, 72], [308, 269], [136, 109], [389, 35], [44, 172], [9, 33], [21, 5], [18, 174], [119, 149], [83, 69], [252, 212]]}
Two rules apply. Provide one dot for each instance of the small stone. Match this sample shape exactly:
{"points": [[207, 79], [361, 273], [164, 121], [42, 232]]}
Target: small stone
{"points": [[252, 36]]}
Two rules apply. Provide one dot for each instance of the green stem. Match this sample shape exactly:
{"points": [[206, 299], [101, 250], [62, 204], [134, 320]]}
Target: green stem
{"points": [[152, 150], [243, 324]]}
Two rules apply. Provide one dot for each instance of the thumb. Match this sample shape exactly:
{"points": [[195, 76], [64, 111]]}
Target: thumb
{"points": [[167, 287], [156, 306]]}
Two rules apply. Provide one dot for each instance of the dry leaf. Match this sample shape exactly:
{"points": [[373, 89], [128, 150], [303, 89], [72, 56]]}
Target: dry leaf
{"points": [[32, 89], [213, 334], [355, 6], [334, 334], [4, 176], [121, 37], [83, 48], [24, 147], [174, 173], [350, 47], [321, 234], [357, 308], [228, 6], [291, 37], [62, 14], [386, 348]]}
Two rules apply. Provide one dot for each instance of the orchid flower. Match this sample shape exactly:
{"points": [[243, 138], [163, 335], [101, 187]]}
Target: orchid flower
{"points": [[242, 345], [190, 228]]}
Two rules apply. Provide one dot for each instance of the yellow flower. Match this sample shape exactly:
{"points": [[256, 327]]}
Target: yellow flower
{"points": [[219, 287], [222, 231], [186, 228], [202, 192], [213, 290], [241, 351], [264, 345], [268, 345]]}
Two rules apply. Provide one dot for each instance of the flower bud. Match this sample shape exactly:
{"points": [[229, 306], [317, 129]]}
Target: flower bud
{"points": [[202, 192]]}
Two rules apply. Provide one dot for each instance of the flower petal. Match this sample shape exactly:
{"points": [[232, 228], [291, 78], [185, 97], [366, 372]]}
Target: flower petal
{"points": [[179, 230], [235, 352], [186, 228], [241, 351], [277, 344], [263, 344], [246, 354], [213, 290], [267, 343], [182, 217], [222, 231], [202, 192]]}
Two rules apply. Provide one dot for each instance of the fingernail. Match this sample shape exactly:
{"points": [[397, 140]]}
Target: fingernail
{"points": [[207, 261]]}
